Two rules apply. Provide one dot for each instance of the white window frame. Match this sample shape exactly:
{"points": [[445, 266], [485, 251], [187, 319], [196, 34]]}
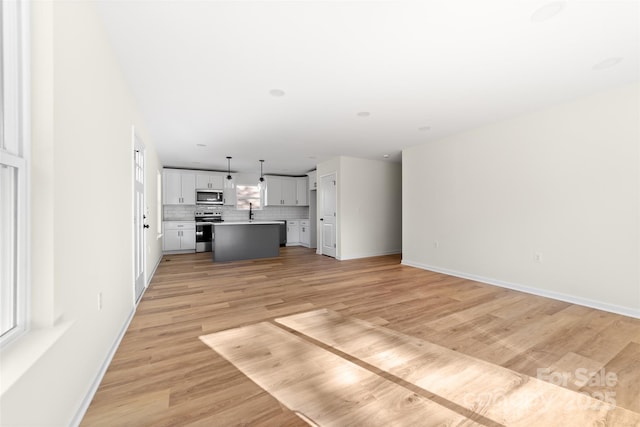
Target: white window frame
{"points": [[15, 145]]}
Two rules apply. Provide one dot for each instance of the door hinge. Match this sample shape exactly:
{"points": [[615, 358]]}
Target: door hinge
{"points": [[334, 245]]}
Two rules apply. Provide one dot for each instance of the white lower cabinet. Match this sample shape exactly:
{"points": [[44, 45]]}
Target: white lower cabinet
{"points": [[298, 232], [293, 233], [179, 236], [305, 235]]}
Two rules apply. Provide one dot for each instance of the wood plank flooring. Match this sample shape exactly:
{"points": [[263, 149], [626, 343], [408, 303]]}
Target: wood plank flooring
{"points": [[495, 392], [322, 387], [163, 375]]}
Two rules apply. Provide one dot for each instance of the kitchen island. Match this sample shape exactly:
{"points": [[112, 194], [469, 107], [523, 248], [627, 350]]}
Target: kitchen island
{"points": [[237, 240]]}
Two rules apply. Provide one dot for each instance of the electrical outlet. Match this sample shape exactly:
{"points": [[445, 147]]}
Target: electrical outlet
{"points": [[99, 301], [537, 257]]}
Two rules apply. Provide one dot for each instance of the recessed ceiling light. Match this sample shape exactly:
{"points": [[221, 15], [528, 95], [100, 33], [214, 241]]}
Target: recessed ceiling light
{"points": [[424, 128], [197, 163], [607, 63], [548, 11], [386, 156], [276, 92], [364, 114], [312, 157], [201, 145]]}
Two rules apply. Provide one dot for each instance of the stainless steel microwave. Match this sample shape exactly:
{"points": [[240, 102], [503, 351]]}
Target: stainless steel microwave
{"points": [[209, 197]]}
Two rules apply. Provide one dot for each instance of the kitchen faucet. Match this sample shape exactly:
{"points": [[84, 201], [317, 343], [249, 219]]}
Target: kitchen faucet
{"points": [[250, 211]]}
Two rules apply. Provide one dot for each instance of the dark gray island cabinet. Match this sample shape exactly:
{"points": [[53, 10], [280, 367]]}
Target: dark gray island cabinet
{"points": [[246, 240]]}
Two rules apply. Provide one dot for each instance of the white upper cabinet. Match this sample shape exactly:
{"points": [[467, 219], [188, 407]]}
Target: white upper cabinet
{"points": [[288, 191], [273, 192], [302, 191], [313, 180], [209, 181], [281, 191], [179, 187]]}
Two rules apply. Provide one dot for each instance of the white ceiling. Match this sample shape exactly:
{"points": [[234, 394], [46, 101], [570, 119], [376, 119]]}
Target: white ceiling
{"points": [[202, 72]]}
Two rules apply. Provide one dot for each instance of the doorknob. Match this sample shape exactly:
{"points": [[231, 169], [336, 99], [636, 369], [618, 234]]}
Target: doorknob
{"points": [[321, 219], [146, 226]]}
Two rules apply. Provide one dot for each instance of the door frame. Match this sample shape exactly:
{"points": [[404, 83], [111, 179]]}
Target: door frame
{"points": [[138, 146], [320, 242]]}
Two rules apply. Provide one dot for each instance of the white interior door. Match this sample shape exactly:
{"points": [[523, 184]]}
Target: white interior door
{"points": [[328, 214], [138, 218]]}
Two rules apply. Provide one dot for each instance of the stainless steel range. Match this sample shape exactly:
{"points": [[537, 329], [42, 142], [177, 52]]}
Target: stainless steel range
{"points": [[205, 217]]}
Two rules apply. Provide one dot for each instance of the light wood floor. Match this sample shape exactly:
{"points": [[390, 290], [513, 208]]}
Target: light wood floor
{"points": [[162, 374]]}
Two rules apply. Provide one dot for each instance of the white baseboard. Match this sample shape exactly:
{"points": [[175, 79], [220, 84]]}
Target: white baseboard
{"points": [[371, 254], [103, 370], [184, 251], [155, 267], [107, 361], [612, 308]]}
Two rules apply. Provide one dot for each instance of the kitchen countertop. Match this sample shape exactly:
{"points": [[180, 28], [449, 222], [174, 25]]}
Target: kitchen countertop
{"points": [[248, 222]]}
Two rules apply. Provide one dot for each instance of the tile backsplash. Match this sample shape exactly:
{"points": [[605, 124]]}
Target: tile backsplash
{"points": [[178, 212], [229, 213]]}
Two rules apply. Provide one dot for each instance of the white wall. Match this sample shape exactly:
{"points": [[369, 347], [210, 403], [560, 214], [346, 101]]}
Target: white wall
{"points": [[562, 183], [82, 214], [369, 206]]}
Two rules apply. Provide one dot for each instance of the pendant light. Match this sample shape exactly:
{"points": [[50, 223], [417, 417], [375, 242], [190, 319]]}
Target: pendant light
{"points": [[261, 174], [229, 168]]}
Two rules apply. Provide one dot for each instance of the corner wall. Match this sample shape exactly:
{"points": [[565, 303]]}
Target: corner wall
{"points": [[369, 206], [82, 211], [561, 184]]}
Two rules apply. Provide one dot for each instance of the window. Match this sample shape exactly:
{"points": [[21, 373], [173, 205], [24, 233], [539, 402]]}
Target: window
{"points": [[246, 194], [13, 173]]}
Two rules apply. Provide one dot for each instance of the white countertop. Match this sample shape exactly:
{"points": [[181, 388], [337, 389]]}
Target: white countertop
{"points": [[248, 222]]}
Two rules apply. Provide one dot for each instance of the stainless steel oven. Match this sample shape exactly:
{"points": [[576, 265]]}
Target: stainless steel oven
{"points": [[205, 218]]}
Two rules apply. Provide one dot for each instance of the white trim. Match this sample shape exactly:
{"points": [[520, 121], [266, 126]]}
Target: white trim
{"points": [[152, 272], [612, 308], [82, 410], [371, 254], [137, 145], [20, 357], [16, 26], [320, 234]]}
